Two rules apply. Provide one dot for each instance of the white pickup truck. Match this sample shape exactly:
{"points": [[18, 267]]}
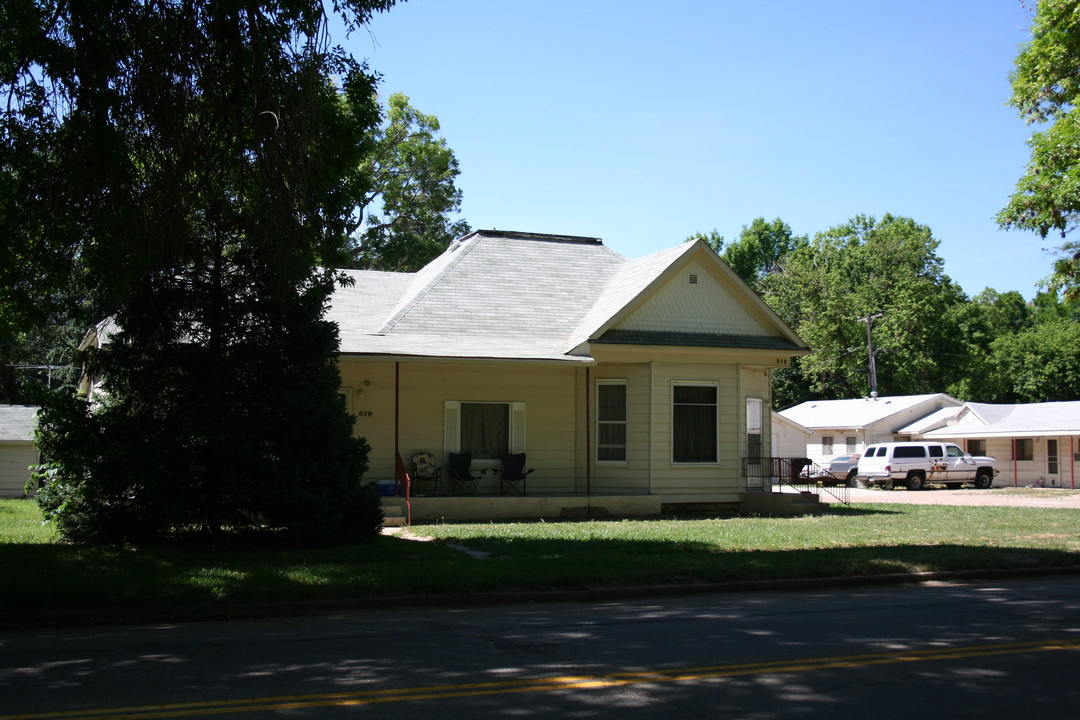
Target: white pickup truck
{"points": [[914, 464]]}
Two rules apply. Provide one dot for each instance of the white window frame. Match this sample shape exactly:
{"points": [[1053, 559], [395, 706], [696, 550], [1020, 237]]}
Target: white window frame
{"points": [[754, 426], [624, 422], [827, 445], [452, 428], [716, 407]]}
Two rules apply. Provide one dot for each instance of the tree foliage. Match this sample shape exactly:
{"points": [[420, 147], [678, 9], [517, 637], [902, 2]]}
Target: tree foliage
{"points": [[407, 210], [192, 165], [1039, 364], [1046, 87], [862, 267]]}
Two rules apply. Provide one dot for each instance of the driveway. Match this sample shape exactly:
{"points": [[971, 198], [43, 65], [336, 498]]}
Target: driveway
{"points": [[1016, 497]]}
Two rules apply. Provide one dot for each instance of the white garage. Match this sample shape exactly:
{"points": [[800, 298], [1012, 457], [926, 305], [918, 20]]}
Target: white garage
{"points": [[17, 451]]}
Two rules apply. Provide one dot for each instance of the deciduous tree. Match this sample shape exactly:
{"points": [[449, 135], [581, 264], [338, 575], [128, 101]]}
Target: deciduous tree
{"points": [[408, 211], [863, 267], [1046, 89]]}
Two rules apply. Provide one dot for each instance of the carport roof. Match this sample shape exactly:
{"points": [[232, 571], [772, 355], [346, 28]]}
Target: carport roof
{"points": [[981, 420]]}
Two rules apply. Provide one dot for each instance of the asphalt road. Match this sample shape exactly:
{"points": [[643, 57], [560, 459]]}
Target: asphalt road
{"points": [[990, 650]]}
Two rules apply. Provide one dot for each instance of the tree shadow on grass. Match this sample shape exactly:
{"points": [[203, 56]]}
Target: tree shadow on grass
{"points": [[65, 584]]}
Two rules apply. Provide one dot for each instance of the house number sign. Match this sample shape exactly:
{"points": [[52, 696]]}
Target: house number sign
{"points": [[364, 413]]}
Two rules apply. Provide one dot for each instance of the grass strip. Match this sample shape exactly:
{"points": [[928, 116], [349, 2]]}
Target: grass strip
{"points": [[44, 576]]}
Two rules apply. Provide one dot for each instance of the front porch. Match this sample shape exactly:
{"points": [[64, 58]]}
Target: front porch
{"points": [[769, 486]]}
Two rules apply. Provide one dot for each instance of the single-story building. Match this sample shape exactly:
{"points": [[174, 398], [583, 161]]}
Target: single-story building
{"points": [[843, 427], [1035, 444], [789, 438], [646, 378], [17, 451]]}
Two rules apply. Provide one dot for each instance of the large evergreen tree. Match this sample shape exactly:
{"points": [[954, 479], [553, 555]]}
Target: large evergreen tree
{"points": [[192, 164]]}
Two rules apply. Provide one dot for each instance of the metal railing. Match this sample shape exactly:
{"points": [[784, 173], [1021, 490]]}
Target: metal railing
{"points": [[775, 474]]}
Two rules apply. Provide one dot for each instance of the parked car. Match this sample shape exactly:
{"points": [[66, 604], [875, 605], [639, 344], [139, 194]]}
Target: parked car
{"points": [[843, 467], [914, 464]]}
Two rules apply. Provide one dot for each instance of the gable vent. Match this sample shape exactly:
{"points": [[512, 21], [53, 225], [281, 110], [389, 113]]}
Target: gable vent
{"points": [[693, 278]]}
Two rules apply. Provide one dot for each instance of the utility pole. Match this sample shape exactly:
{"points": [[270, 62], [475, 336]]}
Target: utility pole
{"points": [[869, 320]]}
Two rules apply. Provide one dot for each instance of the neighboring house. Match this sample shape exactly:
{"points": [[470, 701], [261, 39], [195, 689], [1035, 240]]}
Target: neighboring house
{"points": [[17, 451], [789, 438], [645, 378], [842, 427], [1035, 444]]}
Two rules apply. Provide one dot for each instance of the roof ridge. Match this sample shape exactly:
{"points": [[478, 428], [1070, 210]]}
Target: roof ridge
{"points": [[457, 250], [520, 235]]}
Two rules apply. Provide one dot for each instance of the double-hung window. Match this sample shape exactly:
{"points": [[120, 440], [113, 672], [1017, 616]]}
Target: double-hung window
{"points": [[611, 421], [694, 422]]}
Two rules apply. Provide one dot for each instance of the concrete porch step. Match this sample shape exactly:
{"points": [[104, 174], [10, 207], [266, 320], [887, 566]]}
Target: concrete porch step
{"points": [[393, 513], [782, 504]]}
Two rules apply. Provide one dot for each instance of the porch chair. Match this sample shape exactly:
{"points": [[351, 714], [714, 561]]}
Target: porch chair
{"points": [[462, 481], [425, 474], [514, 474]]}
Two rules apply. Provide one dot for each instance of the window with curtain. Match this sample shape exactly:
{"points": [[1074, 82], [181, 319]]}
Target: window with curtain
{"points": [[694, 423], [485, 429], [1023, 449], [611, 421]]}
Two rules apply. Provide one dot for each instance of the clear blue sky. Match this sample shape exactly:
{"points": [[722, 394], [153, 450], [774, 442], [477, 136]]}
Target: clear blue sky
{"points": [[644, 123]]}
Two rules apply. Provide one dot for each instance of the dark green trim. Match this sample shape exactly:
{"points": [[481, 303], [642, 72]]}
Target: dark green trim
{"points": [[685, 339]]}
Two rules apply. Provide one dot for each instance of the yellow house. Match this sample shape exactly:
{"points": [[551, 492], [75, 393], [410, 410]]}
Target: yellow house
{"points": [[630, 385]]}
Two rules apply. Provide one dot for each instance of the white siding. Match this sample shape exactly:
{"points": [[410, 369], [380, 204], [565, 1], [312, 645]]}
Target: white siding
{"points": [[15, 459], [704, 306]]}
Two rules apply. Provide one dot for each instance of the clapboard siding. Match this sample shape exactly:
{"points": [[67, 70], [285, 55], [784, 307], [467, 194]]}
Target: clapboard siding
{"points": [[15, 460]]}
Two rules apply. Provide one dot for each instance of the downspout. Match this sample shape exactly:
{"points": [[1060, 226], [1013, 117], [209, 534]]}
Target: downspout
{"points": [[397, 442], [652, 419], [588, 436], [1072, 462]]}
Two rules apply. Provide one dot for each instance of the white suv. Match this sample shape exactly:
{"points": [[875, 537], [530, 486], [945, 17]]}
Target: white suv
{"points": [[914, 464]]}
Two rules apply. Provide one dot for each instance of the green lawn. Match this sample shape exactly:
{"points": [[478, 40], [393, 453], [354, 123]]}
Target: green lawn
{"points": [[42, 575]]}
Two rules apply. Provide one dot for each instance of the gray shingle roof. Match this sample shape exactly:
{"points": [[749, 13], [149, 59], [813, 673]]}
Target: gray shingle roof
{"points": [[500, 294], [17, 423]]}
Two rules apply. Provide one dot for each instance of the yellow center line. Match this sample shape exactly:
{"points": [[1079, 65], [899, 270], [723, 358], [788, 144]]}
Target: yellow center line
{"points": [[544, 684]]}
